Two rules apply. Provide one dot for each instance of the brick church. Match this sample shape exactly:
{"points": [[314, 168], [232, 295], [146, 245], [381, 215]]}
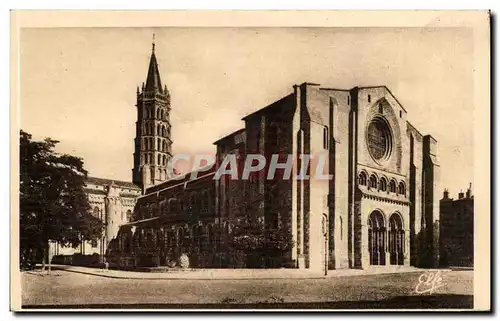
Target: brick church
{"points": [[381, 206]]}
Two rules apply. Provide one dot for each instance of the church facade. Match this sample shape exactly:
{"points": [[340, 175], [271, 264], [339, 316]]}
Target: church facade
{"points": [[379, 207]]}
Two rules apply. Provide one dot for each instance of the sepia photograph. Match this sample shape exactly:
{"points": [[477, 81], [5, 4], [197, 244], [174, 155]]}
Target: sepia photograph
{"points": [[197, 161]]}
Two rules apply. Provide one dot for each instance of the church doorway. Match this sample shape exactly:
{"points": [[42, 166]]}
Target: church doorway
{"points": [[376, 238], [396, 239]]}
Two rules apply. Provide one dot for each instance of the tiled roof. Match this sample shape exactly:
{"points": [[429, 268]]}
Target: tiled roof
{"points": [[230, 135], [185, 179], [105, 181], [276, 104]]}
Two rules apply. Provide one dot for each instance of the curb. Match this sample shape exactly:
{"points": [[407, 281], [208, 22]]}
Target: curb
{"points": [[240, 278], [197, 279]]}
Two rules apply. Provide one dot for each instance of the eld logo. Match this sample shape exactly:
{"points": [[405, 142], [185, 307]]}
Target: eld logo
{"points": [[428, 282]]}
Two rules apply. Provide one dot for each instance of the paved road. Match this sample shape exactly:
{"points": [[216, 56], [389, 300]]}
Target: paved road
{"points": [[73, 290]]}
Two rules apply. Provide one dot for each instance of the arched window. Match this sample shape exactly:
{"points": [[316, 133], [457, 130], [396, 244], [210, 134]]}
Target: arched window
{"points": [[96, 212], [159, 144], [227, 229], [158, 113], [392, 186], [325, 137], [383, 184], [373, 181], [127, 243], [158, 129], [401, 189], [194, 234], [168, 131], [189, 200], [396, 239], [197, 200], [151, 129], [210, 235], [180, 236], [164, 145], [341, 225], [159, 159], [154, 210], [362, 179], [137, 214], [376, 238], [170, 238], [209, 201], [161, 114], [174, 205], [197, 237], [151, 143], [204, 201], [324, 224]]}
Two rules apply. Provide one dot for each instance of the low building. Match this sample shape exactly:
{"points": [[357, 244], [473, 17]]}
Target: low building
{"points": [[457, 229], [113, 202]]}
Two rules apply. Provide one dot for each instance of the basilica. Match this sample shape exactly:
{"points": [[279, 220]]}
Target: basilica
{"points": [[379, 208]]}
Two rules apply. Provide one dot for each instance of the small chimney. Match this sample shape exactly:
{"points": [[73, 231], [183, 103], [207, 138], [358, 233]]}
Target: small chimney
{"points": [[469, 191], [446, 194], [460, 195]]}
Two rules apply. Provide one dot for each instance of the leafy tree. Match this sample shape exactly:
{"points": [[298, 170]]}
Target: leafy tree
{"points": [[53, 203], [257, 242]]}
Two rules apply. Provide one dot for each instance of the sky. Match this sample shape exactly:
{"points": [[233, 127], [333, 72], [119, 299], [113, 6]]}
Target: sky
{"points": [[78, 85]]}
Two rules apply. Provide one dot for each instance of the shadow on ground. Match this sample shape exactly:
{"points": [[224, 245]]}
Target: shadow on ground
{"points": [[445, 301]]}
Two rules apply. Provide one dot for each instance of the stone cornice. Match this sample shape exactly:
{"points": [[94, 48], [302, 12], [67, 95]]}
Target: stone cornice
{"points": [[384, 199]]}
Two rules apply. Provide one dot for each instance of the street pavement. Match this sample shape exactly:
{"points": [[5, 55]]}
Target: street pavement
{"points": [[69, 290]]}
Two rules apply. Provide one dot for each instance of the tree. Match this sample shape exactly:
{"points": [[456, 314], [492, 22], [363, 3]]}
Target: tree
{"points": [[53, 203], [260, 244]]}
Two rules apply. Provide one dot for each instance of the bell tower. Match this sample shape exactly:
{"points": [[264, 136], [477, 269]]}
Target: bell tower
{"points": [[153, 143]]}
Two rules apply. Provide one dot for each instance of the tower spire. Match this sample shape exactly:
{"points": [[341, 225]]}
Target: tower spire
{"points": [[153, 81]]}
